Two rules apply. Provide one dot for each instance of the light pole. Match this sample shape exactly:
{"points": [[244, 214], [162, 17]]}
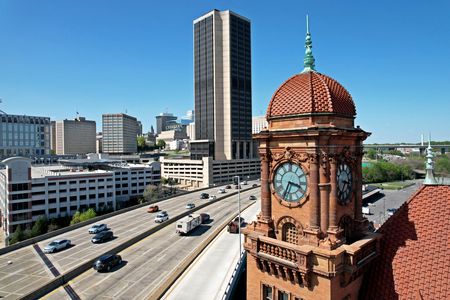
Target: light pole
{"points": [[239, 215]]}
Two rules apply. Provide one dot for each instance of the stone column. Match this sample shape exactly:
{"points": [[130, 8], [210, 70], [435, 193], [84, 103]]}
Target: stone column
{"points": [[266, 205], [358, 185], [333, 195], [324, 188], [314, 218]]}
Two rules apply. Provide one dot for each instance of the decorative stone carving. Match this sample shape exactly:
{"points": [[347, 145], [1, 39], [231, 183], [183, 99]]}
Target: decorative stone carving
{"points": [[287, 219]]}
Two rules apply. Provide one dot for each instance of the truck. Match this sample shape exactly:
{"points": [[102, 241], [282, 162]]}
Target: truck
{"points": [[188, 223]]}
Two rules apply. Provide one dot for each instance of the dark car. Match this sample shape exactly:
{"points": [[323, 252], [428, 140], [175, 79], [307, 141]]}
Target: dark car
{"points": [[107, 262], [204, 196], [233, 226], [254, 185], [228, 187], [102, 237], [205, 217], [252, 197]]}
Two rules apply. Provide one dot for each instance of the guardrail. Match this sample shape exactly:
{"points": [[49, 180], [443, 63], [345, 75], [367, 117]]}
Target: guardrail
{"points": [[237, 272], [69, 275]]}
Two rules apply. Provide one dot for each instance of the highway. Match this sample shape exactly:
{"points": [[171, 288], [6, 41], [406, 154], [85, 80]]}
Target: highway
{"points": [[24, 270], [147, 264]]}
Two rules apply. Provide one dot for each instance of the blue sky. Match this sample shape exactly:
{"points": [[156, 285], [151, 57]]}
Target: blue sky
{"points": [[59, 57]]}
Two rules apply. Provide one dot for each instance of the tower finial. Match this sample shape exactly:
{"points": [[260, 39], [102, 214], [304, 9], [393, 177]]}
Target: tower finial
{"points": [[429, 165], [308, 61]]}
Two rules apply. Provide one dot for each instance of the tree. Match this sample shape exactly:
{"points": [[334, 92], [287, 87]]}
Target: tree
{"points": [[39, 227], [160, 144], [141, 143], [443, 165], [76, 218], [89, 214], [372, 153], [17, 236], [151, 192]]}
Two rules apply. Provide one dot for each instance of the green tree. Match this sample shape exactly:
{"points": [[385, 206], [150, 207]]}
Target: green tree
{"points": [[39, 227], [141, 143], [372, 153], [17, 236], [76, 218], [151, 192], [160, 144], [89, 214], [442, 165]]}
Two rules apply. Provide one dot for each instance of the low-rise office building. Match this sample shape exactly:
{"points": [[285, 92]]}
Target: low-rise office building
{"points": [[24, 135], [28, 192], [207, 172]]}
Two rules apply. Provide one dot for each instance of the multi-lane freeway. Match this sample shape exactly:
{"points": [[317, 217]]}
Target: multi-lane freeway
{"points": [[27, 269]]}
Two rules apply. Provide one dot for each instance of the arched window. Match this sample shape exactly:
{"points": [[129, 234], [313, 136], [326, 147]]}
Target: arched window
{"points": [[290, 233]]}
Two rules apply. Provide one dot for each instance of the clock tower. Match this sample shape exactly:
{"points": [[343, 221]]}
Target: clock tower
{"points": [[310, 240]]}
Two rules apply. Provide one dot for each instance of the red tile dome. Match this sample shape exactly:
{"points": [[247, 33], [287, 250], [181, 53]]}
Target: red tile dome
{"points": [[310, 93]]}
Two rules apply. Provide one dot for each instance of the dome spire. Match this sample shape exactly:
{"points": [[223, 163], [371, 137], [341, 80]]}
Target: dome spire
{"points": [[309, 60]]}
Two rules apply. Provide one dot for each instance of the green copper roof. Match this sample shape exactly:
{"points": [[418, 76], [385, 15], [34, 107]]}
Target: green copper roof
{"points": [[308, 61], [429, 166]]}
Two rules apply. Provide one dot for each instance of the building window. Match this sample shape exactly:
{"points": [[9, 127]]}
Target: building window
{"points": [[283, 295], [290, 233], [267, 292]]}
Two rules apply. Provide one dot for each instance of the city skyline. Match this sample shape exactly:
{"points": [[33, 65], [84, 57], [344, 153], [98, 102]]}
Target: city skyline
{"points": [[96, 59]]}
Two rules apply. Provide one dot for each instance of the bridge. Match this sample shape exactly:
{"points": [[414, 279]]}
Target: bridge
{"points": [[153, 254], [442, 148]]}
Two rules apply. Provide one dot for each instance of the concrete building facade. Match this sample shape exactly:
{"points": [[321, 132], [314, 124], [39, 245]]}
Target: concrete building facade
{"points": [[28, 192], [164, 119], [76, 136], [119, 133], [222, 86], [24, 135]]}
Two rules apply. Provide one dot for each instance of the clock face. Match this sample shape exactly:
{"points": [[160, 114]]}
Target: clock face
{"points": [[344, 177], [290, 182]]}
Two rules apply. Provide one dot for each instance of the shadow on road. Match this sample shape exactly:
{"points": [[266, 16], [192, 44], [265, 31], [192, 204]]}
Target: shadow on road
{"points": [[199, 230]]}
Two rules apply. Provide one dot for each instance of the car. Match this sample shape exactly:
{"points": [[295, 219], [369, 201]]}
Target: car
{"points": [[228, 187], [190, 206], [97, 228], [212, 197], [391, 211], [237, 187], [56, 245], [254, 185], [252, 197], [107, 262], [233, 226], [222, 191], [102, 237], [204, 196], [245, 182], [205, 217], [161, 217], [152, 208]]}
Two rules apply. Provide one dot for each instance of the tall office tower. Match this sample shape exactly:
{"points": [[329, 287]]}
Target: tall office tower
{"points": [[163, 120], [76, 136], [223, 87], [24, 135], [119, 134]]}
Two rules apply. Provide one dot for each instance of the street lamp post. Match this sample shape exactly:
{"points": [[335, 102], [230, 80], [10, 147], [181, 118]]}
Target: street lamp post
{"points": [[239, 215]]}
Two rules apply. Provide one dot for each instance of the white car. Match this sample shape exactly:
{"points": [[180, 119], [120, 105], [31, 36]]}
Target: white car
{"points": [[97, 228], [161, 217], [56, 246], [222, 191], [190, 206], [212, 197]]}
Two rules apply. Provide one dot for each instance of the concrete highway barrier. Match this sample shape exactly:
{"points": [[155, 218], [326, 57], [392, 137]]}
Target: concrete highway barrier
{"points": [[71, 274]]}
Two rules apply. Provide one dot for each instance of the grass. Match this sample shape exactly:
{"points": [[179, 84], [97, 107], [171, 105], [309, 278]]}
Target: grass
{"points": [[394, 185]]}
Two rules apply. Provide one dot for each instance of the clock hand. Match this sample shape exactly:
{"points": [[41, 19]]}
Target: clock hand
{"points": [[286, 190]]}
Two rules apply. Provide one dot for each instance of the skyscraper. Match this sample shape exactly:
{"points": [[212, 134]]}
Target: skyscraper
{"points": [[74, 136], [223, 91]]}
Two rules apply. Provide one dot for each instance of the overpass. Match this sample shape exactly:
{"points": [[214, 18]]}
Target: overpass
{"points": [[442, 148]]}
